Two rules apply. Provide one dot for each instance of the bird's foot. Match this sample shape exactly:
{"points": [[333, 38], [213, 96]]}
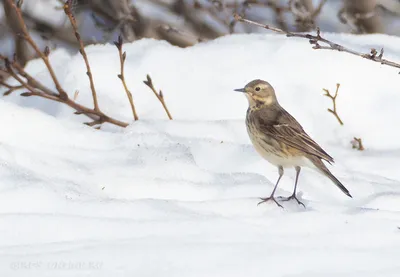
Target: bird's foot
{"points": [[271, 198], [293, 196]]}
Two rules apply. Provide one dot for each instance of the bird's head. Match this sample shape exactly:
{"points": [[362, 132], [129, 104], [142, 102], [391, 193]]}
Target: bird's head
{"points": [[259, 93]]}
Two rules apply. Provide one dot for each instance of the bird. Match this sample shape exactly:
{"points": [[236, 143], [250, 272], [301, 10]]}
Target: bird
{"points": [[280, 139]]}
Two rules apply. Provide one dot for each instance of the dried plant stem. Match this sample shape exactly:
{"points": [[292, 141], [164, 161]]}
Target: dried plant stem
{"points": [[159, 95], [357, 144], [42, 54], [333, 97], [329, 45], [68, 12], [44, 92], [36, 88], [122, 58], [11, 89]]}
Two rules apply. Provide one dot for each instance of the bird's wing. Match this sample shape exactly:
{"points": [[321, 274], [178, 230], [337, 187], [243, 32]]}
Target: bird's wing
{"points": [[287, 130]]}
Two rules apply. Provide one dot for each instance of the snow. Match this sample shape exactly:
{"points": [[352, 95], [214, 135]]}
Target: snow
{"points": [[179, 198]]}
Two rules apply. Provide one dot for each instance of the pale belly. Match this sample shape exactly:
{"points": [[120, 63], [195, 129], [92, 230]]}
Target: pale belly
{"points": [[269, 150]]}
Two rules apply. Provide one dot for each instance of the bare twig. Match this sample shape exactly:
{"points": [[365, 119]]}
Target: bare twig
{"points": [[333, 97], [68, 12], [159, 95], [42, 54], [36, 88], [122, 58], [329, 45], [11, 89], [357, 144]]}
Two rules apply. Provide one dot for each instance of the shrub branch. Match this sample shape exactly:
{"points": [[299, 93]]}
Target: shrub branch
{"points": [[68, 12], [357, 144], [36, 88], [159, 95], [333, 98], [42, 54], [122, 58], [11, 89], [315, 40]]}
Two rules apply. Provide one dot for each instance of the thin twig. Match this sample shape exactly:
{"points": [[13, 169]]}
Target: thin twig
{"points": [[357, 144], [159, 95], [68, 12], [329, 45], [42, 54], [122, 58], [11, 89], [36, 88], [333, 97], [32, 90]]}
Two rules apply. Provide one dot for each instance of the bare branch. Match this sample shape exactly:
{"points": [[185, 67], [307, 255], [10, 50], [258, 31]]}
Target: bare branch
{"points": [[68, 12], [333, 97], [35, 88], [315, 40], [357, 144], [361, 16], [122, 58], [11, 89], [159, 95], [25, 34]]}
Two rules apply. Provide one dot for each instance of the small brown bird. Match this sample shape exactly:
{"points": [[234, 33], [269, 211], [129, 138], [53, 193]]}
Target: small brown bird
{"points": [[280, 139]]}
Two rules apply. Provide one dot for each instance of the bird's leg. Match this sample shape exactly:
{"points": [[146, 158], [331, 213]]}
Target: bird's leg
{"points": [[273, 192], [293, 196]]}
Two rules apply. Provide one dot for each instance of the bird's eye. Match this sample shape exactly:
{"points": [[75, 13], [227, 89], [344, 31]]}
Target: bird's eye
{"points": [[257, 88]]}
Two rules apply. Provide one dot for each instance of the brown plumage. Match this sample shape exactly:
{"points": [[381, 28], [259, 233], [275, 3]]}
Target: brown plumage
{"points": [[280, 139]]}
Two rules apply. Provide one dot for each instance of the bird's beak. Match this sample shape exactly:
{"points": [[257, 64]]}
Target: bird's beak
{"points": [[241, 90]]}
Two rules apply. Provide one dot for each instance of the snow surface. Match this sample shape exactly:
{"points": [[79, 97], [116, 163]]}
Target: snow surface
{"points": [[179, 198]]}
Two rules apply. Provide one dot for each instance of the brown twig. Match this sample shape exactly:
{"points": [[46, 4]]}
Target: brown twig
{"points": [[333, 97], [42, 54], [68, 12], [11, 89], [122, 58], [159, 95], [357, 144], [329, 45], [36, 88]]}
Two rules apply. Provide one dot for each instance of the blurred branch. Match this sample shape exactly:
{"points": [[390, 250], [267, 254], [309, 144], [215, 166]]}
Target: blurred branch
{"points": [[361, 16], [315, 40], [357, 144], [333, 98], [159, 95], [122, 58], [119, 13], [305, 13], [14, 24], [48, 31]]}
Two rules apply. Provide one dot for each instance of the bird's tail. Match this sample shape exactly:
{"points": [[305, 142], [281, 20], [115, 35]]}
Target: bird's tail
{"points": [[324, 170]]}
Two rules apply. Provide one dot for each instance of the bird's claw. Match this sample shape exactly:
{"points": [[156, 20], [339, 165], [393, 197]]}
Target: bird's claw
{"points": [[293, 196], [263, 200]]}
